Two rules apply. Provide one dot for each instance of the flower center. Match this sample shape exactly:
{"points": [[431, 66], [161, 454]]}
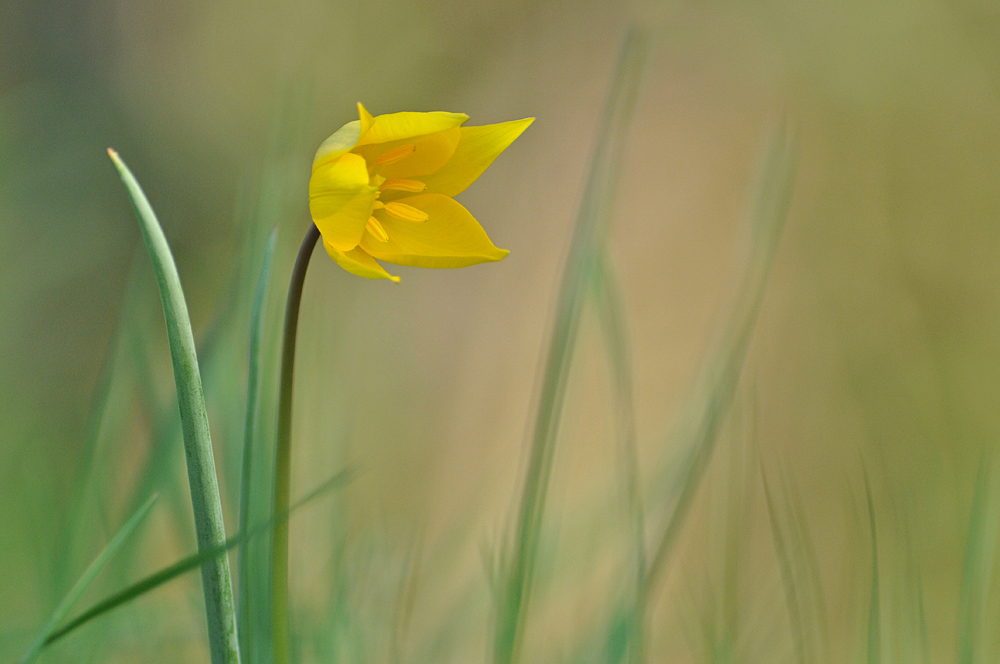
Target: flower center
{"points": [[394, 209], [414, 186], [376, 230], [405, 212]]}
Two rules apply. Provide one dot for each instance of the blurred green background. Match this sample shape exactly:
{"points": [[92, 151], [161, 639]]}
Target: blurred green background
{"points": [[874, 369]]}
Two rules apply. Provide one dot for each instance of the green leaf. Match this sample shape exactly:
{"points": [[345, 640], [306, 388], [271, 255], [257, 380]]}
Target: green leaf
{"points": [[204, 484]]}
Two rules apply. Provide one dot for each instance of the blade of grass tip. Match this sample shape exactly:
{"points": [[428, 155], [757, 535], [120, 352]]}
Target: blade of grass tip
{"points": [[249, 436], [591, 222], [785, 568], [204, 484], [718, 384], [908, 641], [406, 599], [874, 652], [194, 561], [812, 586], [980, 554], [914, 590], [86, 579]]}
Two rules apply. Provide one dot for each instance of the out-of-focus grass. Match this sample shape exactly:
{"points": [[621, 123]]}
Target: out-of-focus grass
{"points": [[878, 332], [66, 604], [517, 559]]}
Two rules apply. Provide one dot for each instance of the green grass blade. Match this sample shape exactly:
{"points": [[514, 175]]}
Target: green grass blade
{"points": [[66, 546], [191, 562], [85, 580], [980, 557], [625, 638], [718, 384], [204, 484], [611, 312], [108, 411], [787, 574], [812, 584], [874, 653], [249, 436], [592, 221]]}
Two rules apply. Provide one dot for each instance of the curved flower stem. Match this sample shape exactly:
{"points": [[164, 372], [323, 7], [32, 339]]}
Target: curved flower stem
{"points": [[283, 452]]}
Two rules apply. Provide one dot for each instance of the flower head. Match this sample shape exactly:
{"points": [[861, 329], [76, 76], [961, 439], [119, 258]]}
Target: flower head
{"points": [[382, 188]]}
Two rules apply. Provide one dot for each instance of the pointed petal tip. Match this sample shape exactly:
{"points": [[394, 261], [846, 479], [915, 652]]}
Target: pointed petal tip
{"points": [[366, 119], [523, 124]]}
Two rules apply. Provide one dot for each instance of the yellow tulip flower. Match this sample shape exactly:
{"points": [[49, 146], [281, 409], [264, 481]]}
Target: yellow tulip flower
{"points": [[382, 187]]}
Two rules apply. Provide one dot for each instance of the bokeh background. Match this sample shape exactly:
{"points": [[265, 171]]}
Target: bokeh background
{"points": [[845, 470]]}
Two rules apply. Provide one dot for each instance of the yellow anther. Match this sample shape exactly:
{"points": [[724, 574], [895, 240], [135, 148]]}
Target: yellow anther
{"points": [[378, 205], [394, 155], [405, 212], [376, 230], [414, 186]]}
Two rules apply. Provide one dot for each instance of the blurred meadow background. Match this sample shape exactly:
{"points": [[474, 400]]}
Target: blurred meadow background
{"points": [[778, 435]]}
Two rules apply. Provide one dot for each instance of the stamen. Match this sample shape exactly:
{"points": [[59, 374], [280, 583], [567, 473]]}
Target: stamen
{"points": [[404, 185], [405, 212], [376, 230], [378, 205], [394, 155]]}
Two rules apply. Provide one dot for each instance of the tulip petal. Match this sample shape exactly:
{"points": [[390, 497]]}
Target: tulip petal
{"points": [[451, 237], [366, 119], [356, 261], [409, 124], [346, 173], [338, 143], [429, 154], [476, 150], [340, 200]]}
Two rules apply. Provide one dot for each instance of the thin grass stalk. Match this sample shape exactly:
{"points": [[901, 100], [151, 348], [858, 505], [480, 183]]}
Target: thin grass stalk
{"points": [[204, 484], [69, 533], [624, 639], [592, 221], [980, 559], [784, 554], [249, 438], [874, 646], [194, 561], [88, 576], [806, 552], [165, 430], [719, 382], [283, 451], [611, 312]]}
